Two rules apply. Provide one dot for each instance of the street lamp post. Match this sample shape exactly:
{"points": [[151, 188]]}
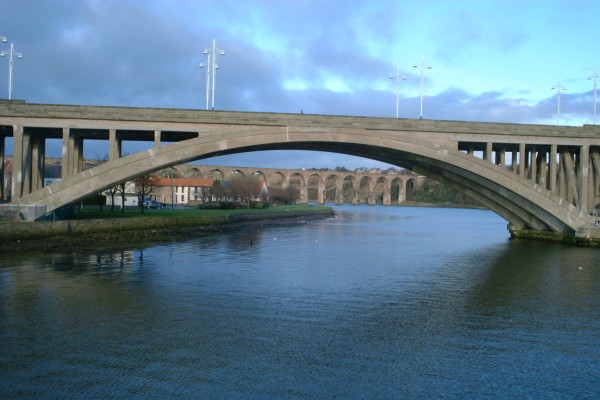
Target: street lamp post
{"points": [[211, 71], [423, 66], [595, 79], [558, 87], [201, 65], [398, 79], [11, 55]]}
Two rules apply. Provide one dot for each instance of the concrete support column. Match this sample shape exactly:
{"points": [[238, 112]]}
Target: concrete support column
{"points": [[553, 151], [74, 152], [533, 166], [522, 160], [488, 152], [595, 176], [42, 159], [157, 137], [77, 155], [114, 145], [501, 157], [67, 153], [583, 178], [542, 168], [17, 164], [562, 176], [514, 162], [471, 151], [26, 167], [37, 163], [569, 190]]}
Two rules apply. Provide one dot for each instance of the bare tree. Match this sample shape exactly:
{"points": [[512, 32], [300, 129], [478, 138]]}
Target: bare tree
{"points": [[112, 191], [122, 189], [287, 195], [217, 190], [144, 186], [247, 188]]}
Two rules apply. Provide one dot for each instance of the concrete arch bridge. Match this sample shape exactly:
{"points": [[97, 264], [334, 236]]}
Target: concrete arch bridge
{"points": [[543, 180], [324, 185]]}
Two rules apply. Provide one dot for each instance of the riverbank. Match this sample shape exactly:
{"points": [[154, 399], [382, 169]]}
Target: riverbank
{"points": [[116, 231]]}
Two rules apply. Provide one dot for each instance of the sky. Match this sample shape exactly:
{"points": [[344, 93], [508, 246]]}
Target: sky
{"points": [[491, 60]]}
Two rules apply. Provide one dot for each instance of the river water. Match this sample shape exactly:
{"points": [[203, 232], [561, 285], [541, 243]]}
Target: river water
{"points": [[377, 303]]}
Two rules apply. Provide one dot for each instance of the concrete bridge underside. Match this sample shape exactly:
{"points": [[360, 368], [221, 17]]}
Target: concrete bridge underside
{"points": [[538, 178]]}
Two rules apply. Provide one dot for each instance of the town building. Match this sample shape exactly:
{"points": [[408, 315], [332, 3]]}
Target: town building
{"points": [[181, 191]]}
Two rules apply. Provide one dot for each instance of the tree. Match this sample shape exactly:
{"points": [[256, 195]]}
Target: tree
{"points": [[112, 191], [217, 190], [287, 195], [246, 187], [341, 169], [144, 188], [122, 189]]}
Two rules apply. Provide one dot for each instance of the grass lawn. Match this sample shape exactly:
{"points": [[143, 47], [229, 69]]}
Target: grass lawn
{"points": [[167, 212]]}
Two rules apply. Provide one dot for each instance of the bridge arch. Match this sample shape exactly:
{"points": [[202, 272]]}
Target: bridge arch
{"points": [[276, 181], [381, 191], [234, 174], [216, 175], [260, 174], [192, 172], [296, 181], [397, 190], [332, 183], [430, 148], [317, 182], [365, 189], [451, 167], [347, 191], [409, 187]]}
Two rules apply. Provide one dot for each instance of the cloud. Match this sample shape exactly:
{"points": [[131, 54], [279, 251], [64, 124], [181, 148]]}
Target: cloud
{"points": [[314, 56]]}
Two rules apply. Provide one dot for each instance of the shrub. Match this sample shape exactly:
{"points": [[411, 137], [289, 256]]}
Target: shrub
{"points": [[259, 205], [210, 206]]}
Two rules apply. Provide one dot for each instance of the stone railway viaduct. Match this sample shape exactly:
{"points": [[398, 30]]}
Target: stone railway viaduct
{"points": [[365, 187], [543, 180]]}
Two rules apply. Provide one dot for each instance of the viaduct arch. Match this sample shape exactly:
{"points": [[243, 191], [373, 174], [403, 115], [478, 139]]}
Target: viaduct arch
{"points": [[538, 178], [382, 188]]}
